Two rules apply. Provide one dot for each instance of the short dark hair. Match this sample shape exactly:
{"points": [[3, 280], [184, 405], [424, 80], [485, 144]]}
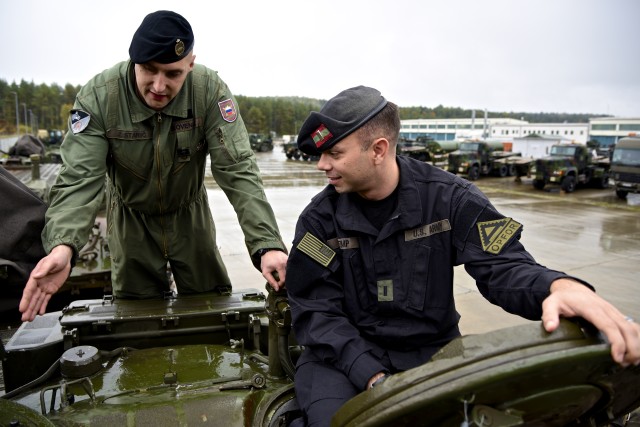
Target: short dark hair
{"points": [[385, 124]]}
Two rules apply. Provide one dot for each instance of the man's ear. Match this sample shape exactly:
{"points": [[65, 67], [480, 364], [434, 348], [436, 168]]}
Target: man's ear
{"points": [[380, 149]]}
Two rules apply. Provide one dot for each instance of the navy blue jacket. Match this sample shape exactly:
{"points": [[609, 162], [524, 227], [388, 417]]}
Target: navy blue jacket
{"points": [[357, 293]]}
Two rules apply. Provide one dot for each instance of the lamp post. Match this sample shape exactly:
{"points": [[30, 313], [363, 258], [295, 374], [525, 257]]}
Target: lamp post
{"points": [[24, 107], [17, 115]]}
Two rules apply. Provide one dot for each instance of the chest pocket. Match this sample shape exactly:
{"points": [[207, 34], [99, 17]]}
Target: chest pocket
{"points": [[402, 279], [132, 151], [191, 145]]}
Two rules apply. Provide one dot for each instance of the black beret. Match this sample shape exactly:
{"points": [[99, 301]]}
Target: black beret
{"points": [[338, 118], [163, 37]]}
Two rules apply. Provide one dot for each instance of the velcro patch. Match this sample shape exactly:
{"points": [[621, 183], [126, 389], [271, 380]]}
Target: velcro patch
{"points": [[317, 250], [385, 290], [427, 230], [79, 121], [344, 243], [228, 110], [494, 235]]}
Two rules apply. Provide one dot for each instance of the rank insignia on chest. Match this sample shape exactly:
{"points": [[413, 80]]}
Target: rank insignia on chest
{"points": [[318, 251], [494, 235], [79, 121], [228, 110]]}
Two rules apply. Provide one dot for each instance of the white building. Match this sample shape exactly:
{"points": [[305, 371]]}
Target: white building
{"points": [[499, 129], [607, 131]]}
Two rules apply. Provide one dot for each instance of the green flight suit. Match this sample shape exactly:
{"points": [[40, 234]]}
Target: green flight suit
{"points": [[157, 206]]}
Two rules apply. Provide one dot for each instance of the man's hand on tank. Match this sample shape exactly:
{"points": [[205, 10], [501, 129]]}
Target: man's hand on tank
{"points": [[46, 278], [572, 299], [273, 265]]}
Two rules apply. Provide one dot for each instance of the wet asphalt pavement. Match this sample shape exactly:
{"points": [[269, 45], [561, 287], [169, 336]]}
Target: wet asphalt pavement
{"points": [[590, 234]]}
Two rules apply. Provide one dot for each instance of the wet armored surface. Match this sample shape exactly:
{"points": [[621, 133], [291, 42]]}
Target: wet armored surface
{"points": [[589, 233]]}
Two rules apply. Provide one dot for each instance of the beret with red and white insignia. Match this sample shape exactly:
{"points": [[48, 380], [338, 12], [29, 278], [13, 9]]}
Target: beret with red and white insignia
{"points": [[338, 118]]}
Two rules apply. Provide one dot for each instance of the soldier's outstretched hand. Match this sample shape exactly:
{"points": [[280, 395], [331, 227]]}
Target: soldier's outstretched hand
{"points": [[571, 299], [45, 280]]}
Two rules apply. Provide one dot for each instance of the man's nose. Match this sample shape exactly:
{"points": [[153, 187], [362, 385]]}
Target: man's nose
{"points": [[159, 83], [323, 163]]}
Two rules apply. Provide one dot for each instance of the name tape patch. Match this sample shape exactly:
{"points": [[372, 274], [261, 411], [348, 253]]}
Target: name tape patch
{"points": [[317, 250], [494, 235], [427, 230], [344, 243]]}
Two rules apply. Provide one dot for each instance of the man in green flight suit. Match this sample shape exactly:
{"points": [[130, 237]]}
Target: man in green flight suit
{"points": [[148, 124]]}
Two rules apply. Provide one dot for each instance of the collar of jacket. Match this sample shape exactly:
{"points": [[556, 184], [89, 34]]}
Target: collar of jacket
{"points": [[178, 107], [408, 213]]}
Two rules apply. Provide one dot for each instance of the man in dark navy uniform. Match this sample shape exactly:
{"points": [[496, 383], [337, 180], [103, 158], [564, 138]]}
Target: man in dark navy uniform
{"points": [[370, 275]]}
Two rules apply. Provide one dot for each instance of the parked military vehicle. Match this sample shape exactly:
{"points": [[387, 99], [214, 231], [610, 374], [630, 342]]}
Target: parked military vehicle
{"points": [[625, 166], [569, 165], [261, 143], [476, 158], [292, 152], [428, 150]]}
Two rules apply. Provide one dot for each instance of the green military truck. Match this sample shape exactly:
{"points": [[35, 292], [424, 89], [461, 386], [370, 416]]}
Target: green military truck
{"points": [[569, 165], [428, 150], [475, 158], [625, 166], [261, 143]]}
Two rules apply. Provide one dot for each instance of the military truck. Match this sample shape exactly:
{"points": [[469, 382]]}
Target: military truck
{"points": [[569, 165], [261, 143], [427, 150], [625, 166], [476, 158]]}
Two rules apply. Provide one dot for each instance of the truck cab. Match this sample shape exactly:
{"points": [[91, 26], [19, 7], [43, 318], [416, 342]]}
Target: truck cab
{"points": [[625, 166]]}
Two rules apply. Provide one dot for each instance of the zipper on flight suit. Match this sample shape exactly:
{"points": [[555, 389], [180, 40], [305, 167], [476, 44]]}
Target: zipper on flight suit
{"points": [[158, 165]]}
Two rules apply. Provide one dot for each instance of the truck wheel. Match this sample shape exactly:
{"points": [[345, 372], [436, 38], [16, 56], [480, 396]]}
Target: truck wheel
{"points": [[538, 184], [622, 194], [512, 170], [474, 173], [296, 155], [502, 171], [569, 184], [604, 181]]}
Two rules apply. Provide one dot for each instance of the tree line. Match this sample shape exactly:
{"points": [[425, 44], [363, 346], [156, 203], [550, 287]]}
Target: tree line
{"points": [[47, 107]]}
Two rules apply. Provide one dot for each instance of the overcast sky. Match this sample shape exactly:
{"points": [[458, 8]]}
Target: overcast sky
{"points": [[573, 56]]}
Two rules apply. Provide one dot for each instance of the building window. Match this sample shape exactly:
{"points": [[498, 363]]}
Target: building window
{"points": [[630, 127], [603, 127]]}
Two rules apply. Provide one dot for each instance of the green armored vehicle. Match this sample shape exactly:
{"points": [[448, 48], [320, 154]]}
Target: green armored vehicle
{"points": [[476, 158], [292, 152], [260, 143], [227, 359], [569, 165]]}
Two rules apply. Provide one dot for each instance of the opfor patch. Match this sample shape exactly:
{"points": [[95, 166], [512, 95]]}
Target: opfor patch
{"points": [[494, 235], [317, 250], [79, 120], [228, 110]]}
